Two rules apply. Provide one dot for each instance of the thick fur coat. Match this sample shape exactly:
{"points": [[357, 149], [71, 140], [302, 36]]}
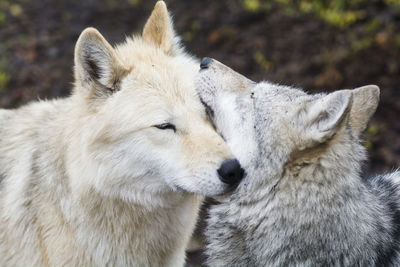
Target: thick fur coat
{"points": [[303, 201], [110, 176]]}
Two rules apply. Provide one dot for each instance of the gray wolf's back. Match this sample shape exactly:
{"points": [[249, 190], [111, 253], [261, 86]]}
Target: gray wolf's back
{"points": [[387, 188]]}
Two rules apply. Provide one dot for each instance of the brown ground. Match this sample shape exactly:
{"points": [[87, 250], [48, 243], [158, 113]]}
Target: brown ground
{"points": [[37, 40]]}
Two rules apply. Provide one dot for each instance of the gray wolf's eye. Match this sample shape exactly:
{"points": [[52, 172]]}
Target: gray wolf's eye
{"points": [[166, 126]]}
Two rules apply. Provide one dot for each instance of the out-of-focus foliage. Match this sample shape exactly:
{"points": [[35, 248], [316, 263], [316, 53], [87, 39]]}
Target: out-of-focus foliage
{"points": [[133, 3], [337, 12], [10, 8], [341, 13], [262, 61], [375, 21], [393, 2], [4, 78], [370, 134]]}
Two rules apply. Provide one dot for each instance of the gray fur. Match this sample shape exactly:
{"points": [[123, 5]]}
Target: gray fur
{"points": [[303, 201]]}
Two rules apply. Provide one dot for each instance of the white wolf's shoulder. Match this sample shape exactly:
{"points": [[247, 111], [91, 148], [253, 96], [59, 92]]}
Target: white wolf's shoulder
{"points": [[4, 116]]}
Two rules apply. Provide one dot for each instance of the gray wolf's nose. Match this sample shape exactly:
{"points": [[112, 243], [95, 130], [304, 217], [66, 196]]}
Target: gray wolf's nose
{"points": [[205, 62], [230, 172]]}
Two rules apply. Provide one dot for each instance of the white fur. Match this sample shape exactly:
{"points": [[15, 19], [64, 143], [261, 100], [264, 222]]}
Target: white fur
{"points": [[90, 180]]}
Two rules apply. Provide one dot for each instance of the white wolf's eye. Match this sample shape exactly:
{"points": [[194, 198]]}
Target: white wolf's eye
{"points": [[166, 126]]}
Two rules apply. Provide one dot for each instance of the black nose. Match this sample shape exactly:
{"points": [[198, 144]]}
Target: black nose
{"points": [[205, 62], [230, 172]]}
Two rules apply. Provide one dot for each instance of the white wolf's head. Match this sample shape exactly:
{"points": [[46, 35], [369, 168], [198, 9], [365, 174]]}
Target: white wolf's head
{"points": [[269, 127], [143, 126]]}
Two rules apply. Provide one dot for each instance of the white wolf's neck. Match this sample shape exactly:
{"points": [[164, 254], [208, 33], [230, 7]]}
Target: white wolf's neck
{"points": [[102, 224]]}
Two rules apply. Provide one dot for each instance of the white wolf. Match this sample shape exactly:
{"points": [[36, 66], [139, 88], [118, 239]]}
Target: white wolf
{"points": [[303, 201], [108, 176]]}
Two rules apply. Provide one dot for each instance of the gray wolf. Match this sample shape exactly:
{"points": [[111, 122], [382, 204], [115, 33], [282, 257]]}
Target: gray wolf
{"points": [[112, 175], [303, 201]]}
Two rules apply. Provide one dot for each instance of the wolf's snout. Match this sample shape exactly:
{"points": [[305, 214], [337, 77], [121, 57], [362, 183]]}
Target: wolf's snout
{"points": [[230, 172], [205, 62]]}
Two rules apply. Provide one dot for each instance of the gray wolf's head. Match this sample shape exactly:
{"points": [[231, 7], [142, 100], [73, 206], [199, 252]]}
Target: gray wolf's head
{"points": [[143, 126], [271, 128]]}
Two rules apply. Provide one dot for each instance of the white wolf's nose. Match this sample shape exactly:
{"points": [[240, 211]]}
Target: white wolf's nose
{"points": [[230, 172]]}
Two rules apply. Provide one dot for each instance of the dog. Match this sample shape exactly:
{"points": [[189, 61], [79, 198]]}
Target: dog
{"points": [[303, 201], [114, 174]]}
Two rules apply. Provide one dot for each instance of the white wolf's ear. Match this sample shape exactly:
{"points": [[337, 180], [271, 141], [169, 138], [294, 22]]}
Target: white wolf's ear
{"points": [[322, 117], [97, 66], [159, 30], [365, 102]]}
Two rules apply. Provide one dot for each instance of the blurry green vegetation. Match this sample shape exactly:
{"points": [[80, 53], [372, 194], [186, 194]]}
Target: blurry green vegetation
{"points": [[341, 13], [3, 18], [134, 2], [253, 5], [371, 132], [393, 2], [361, 44], [3, 11], [4, 79], [10, 8], [261, 60], [337, 12], [114, 3], [195, 26], [4, 76], [372, 22]]}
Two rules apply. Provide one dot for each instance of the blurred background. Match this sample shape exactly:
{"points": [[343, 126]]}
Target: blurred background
{"points": [[319, 45]]}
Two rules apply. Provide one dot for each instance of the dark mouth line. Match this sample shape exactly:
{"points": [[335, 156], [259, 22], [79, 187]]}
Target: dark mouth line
{"points": [[209, 110]]}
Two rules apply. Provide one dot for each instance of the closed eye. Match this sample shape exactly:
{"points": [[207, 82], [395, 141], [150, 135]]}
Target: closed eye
{"points": [[166, 126]]}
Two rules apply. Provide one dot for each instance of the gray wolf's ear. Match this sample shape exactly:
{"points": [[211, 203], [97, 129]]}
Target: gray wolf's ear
{"points": [[97, 66], [322, 117], [365, 102], [159, 30]]}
